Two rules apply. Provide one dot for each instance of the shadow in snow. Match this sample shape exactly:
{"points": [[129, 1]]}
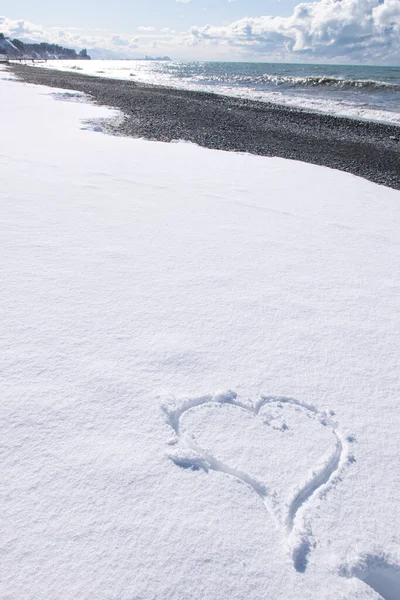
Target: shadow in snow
{"points": [[380, 574]]}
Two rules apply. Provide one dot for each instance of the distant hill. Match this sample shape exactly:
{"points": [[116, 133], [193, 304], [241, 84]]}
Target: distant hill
{"points": [[16, 49], [105, 54]]}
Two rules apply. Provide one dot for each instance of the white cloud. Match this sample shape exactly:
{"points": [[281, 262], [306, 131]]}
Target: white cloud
{"points": [[19, 28], [71, 37], [326, 29], [121, 42]]}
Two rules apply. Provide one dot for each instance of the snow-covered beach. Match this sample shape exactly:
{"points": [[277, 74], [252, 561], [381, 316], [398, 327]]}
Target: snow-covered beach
{"points": [[199, 367], [155, 112]]}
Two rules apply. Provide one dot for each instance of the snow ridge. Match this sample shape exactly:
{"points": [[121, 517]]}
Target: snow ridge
{"points": [[295, 524]]}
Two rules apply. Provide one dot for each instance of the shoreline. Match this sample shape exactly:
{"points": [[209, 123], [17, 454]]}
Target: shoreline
{"points": [[364, 148]]}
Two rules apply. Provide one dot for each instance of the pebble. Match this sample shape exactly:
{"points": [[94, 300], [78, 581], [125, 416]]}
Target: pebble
{"points": [[364, 148]]}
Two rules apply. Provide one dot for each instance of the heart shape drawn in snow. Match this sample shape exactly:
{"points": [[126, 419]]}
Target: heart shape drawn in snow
{"points": [[313, 437]]}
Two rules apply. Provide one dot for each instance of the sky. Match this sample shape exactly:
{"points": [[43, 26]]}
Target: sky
{"points": [[352, 31]]}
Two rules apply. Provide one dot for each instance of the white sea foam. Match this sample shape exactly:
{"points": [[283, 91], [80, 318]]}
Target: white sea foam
{"points": [[334, 96]]}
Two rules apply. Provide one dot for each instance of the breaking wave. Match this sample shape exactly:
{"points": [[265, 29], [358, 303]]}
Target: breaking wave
{"points": [[293, 82]]}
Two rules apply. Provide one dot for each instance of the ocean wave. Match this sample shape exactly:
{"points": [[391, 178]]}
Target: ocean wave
{"points": [[340, 83], [304, 82]]}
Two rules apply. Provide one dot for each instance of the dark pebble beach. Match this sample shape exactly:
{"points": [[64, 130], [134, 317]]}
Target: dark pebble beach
{"points": [[364, 148]]}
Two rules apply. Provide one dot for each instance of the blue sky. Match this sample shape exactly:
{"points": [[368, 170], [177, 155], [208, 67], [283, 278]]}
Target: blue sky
{"points": [[354, 31], [124, 15]]}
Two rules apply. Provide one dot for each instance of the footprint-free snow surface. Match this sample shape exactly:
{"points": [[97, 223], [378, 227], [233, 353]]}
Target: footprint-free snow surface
{"points": [[199, 363]]}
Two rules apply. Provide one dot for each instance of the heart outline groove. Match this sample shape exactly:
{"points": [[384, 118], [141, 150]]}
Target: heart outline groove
{"points": [[295, 525]]}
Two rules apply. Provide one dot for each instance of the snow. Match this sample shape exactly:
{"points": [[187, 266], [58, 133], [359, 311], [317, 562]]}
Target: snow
{"points": [[199, 358]]}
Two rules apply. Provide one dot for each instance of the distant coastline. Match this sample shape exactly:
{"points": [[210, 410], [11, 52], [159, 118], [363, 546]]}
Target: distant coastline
{"points": [[14, 48], [157, 58]]}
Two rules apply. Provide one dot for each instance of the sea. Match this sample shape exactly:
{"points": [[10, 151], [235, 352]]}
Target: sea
{"points": [[359, 92]]}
